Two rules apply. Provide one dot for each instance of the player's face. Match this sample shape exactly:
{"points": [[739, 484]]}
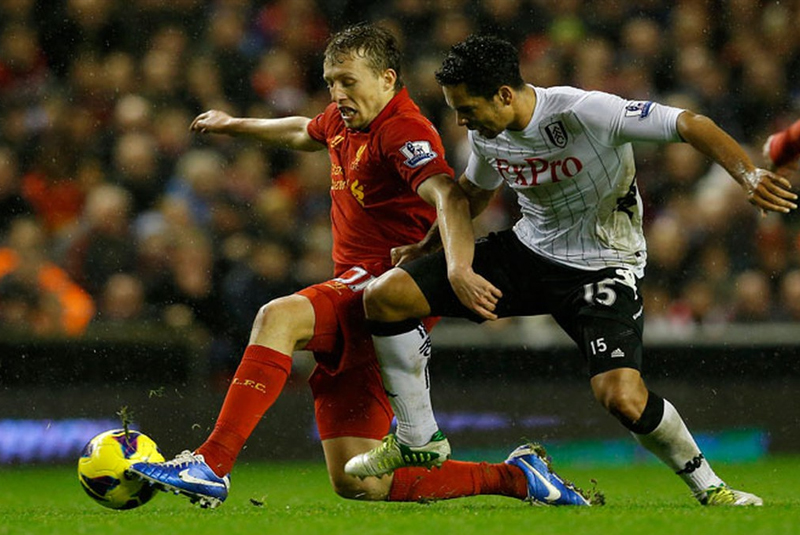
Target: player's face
{"points": [[488, 116], [359, 92]]}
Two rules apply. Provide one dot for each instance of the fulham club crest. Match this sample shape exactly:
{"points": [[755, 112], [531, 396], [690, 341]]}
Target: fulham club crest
{"points": [[557, 134]]}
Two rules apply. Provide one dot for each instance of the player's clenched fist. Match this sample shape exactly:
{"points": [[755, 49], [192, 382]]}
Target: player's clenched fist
{"points": [[212, 121]]}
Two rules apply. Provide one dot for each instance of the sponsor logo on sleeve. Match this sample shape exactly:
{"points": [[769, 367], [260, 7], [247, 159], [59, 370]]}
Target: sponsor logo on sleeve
{"points": [[417, 153], [638, 109]]}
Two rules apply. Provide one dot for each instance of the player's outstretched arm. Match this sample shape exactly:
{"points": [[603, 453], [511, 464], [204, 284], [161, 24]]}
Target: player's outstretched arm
{"points": [[765, 189], [287, 132]]}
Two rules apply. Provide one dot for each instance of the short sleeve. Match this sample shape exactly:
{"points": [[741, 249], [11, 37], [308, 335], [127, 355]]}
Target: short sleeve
{"points": [[615, 121], [414, 148], [479, 172], [316, 128]]}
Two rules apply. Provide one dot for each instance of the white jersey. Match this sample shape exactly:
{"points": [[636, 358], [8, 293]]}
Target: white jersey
{"points": [[573, 170]]}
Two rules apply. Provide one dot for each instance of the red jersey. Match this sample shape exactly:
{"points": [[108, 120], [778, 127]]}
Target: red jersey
{"points": [[374, 177]]}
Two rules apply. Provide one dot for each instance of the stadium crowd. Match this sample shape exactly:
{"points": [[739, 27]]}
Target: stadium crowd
{"points": [[112, 212]]}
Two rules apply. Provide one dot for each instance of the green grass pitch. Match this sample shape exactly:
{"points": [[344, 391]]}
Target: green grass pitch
{"points": [[295, 498]]}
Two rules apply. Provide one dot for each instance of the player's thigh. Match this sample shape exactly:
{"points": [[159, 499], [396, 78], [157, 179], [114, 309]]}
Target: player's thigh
{"points": [[351, 402], [497, 258], [340, 450], [353, 415], [603, 313], [609, 343], [395, 296], [341, 340]]}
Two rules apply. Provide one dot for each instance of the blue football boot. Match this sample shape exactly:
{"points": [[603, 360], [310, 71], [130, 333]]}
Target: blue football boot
{"points": [[186, 474], [545, 487]]}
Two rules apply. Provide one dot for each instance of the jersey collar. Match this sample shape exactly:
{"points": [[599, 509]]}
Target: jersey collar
{"points": [[401, 100]]}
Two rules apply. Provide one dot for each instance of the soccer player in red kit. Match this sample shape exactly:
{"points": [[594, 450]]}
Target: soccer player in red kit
{"points": [[389, 182]]}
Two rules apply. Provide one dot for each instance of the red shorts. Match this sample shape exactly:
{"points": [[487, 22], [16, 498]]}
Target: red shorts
{"points": [[351, 403], [349, 399]]}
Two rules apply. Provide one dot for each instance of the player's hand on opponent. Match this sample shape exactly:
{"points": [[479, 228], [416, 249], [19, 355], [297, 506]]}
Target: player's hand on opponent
{"points": [[407, 253], [210, 122], [769, 191], [475, 292]]}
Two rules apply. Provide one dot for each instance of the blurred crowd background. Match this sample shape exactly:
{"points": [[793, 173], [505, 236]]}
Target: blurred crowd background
{"points": [[113, 215]]}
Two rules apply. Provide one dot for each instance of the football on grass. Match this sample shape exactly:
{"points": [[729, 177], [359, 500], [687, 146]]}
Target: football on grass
{"points": [[103, 464]]}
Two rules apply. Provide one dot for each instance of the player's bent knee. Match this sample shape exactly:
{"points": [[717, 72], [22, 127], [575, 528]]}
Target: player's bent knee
{"points": [[625, 404], [288, 318], [281, 310], [624, 397], [370, 489], [270, 313], [393, 297], [378, 298]]}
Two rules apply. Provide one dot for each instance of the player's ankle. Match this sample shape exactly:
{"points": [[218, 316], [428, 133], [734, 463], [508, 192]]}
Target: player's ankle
{"points": [[220, 468]]}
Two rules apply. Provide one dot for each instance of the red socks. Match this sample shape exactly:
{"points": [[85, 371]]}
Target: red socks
{"points": [[259, 381], [785, 145], [456, 479], [256, 385]]}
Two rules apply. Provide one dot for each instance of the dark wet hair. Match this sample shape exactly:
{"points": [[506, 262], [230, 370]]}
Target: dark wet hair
{"points": [[482, 63], [377, 45]]}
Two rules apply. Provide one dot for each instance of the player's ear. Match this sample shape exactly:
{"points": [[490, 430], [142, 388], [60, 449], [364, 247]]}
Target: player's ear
{"points": [[389, 78], [506, 94]]}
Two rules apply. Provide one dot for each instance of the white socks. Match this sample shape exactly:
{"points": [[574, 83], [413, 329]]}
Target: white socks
{"points": [[673, 444], [403, 359]]}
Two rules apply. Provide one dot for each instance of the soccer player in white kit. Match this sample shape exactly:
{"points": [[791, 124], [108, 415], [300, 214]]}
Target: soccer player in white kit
{"points": [[578, 252]]}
